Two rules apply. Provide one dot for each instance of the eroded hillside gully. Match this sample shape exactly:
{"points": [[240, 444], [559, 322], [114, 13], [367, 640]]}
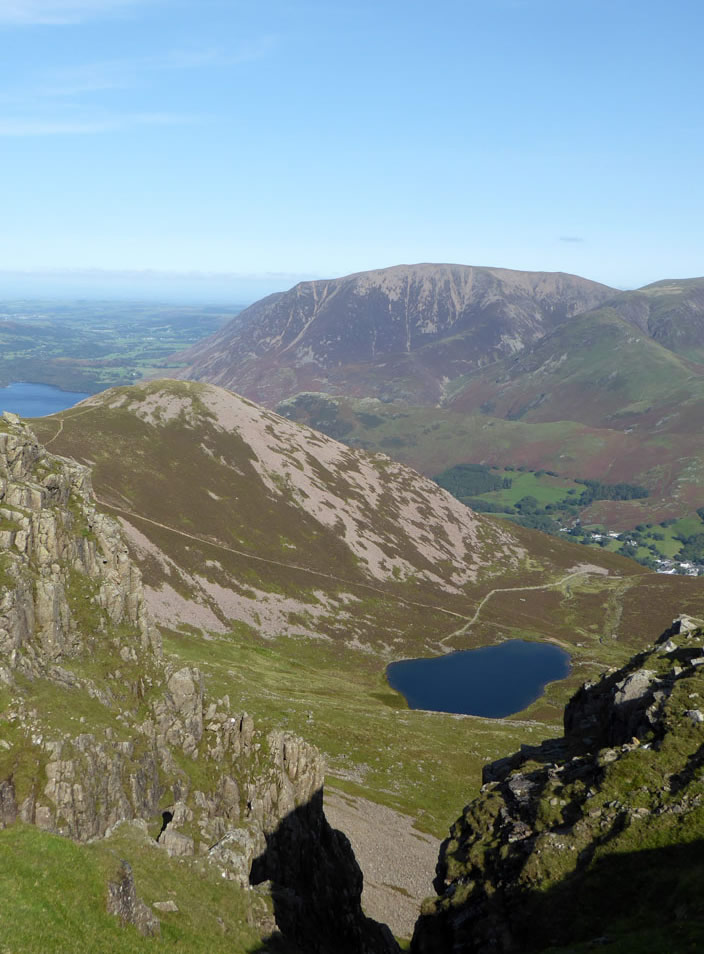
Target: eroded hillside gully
{"points": [[107, 741]]}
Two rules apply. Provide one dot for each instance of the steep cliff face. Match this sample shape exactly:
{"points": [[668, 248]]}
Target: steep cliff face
{"points": [[391, 332], [596, 835], [95, 726], [63, 564]]}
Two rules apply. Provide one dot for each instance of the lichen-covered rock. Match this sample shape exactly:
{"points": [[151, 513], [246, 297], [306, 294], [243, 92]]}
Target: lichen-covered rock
{"points": [[124, 903], [8, 804], [65, 566], [236, 851], [176, 844], [597, 832]]}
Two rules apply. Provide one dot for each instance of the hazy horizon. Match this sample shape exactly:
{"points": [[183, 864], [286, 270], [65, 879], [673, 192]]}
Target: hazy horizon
{"points": [[188, 288], [167, 287], [321, 139]]}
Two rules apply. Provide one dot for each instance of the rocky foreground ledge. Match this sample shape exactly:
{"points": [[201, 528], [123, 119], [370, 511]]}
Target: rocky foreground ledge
{"points": [[594, 838], [98, 729]]}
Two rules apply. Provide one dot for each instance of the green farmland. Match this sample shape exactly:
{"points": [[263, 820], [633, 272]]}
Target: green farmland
{"points": [[545, 501], [90, 346]]}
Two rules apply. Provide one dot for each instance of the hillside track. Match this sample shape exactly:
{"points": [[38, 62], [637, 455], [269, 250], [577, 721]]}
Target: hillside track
{"points": [[468, 621], [512, 589]]}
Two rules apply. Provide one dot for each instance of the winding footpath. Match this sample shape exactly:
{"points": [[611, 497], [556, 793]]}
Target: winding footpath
{"points": [[280, 563], [467, 624], [583, 571], [61, 426]]}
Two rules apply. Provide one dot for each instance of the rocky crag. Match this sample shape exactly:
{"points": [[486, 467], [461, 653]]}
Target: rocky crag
{"points": [[97, 728], [594, 838]]}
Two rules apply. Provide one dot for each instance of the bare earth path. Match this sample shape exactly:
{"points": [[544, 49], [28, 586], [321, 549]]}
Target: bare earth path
{"points": [[468, 622], [398, 862], [583, 570], [61, 426]]}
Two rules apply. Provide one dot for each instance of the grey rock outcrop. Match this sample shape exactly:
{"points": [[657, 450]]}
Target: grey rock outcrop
{"points": [[581, 834], [124, 903], [8, 804], [628, 705], [97, 729], [54, 542], [168, 907], [70, 596]]}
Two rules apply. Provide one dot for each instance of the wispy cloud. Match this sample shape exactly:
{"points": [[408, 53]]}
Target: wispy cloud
{"points": [[125, 72], [571, 238], [59, 12], [104, 124], [120, 73], [60, 101]]}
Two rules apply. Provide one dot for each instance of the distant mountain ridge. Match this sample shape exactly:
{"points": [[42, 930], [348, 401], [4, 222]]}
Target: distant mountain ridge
{"points": [[597, 369], [592, 382], [670, 312], [399, 332]]}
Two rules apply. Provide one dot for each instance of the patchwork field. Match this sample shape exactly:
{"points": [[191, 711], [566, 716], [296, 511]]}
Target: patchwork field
{"points": [[668, 462], [90, 345]]}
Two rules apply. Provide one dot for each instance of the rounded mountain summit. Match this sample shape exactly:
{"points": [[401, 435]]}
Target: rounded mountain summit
{"points": [[401, 332]]}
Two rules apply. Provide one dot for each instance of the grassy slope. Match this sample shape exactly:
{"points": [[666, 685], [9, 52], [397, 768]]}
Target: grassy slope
{"points": [[54, 898], [332, 693], [672, 312], [545, 489], [644, 401], [595, 398], [668, 462], [597, 369]]}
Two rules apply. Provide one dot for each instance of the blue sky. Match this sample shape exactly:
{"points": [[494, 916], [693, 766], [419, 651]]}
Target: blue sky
{"points": [[228, 148]]}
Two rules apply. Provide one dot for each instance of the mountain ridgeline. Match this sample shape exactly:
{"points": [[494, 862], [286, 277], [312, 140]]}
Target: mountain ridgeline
{"points": [[445, 365], [399, 332], [419, 333], [671, 312]]}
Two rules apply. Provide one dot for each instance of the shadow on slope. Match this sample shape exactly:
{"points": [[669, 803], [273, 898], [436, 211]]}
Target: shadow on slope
{"points": [[638, 902], [316, 887]]}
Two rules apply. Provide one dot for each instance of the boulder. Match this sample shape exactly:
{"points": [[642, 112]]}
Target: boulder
{"points": [[176, 844]]}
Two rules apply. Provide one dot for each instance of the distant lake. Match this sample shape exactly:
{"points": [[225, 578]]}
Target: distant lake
{"points": [[493, 682], [37, 400]]}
